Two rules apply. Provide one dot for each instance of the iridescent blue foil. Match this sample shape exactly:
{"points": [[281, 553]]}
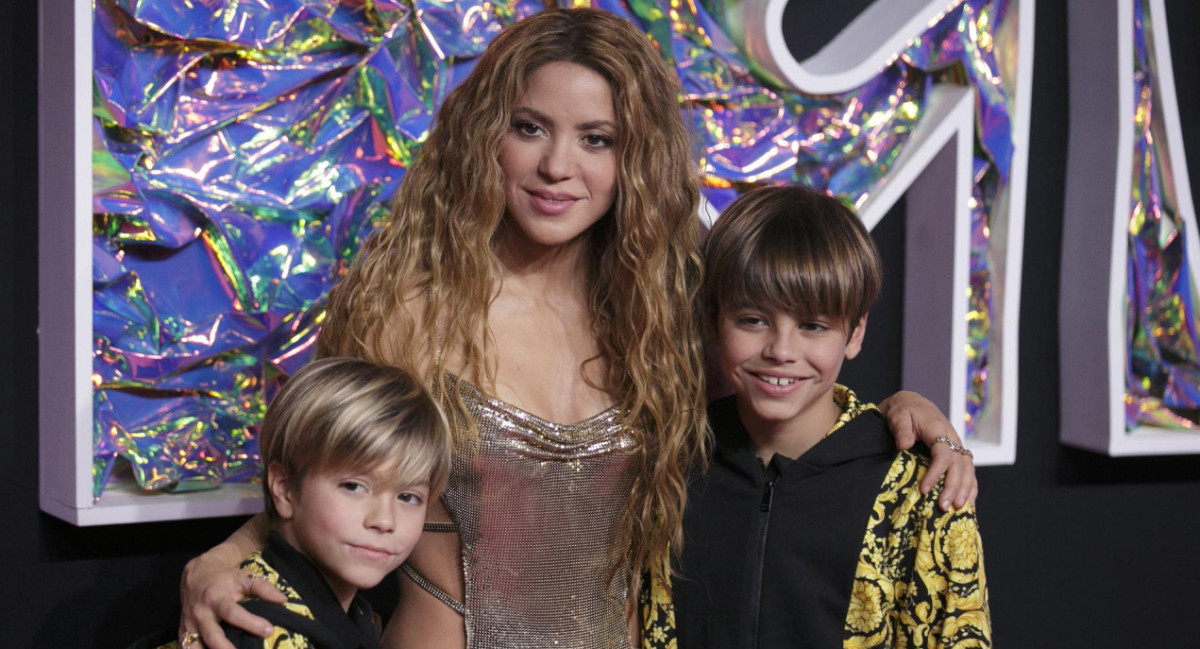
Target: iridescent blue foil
{"points": [[242, 153], [1163, 370], [240, 158], [972, 44]]}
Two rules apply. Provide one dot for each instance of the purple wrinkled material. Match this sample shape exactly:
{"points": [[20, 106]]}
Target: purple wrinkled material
{"points": [[1163, 369]]}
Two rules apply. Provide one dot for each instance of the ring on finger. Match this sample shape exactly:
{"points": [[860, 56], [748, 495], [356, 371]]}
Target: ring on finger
{"points": [[954, 446], [253, 578], [190, 639]]}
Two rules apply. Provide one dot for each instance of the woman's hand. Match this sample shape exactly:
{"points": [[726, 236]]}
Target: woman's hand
{"points": [[210, 591], [911, 417]]}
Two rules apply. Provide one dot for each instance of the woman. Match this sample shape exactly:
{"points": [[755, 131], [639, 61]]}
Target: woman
{"points": [[540, 269]]}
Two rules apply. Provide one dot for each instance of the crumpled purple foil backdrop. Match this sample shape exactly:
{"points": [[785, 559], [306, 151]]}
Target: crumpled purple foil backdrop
{"points": [[241, 153], [1163, 370]]}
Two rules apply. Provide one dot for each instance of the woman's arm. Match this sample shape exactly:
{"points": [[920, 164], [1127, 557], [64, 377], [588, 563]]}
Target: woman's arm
{"points": [[421, 621], [212, 586], [911, 417]]}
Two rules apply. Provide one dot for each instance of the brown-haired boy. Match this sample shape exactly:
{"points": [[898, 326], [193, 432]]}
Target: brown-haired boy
{"points": [[809, 528]]}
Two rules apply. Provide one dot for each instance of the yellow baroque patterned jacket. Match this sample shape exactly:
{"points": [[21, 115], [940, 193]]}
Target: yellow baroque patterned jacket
{"points": [[312, 617], [838, 546]]}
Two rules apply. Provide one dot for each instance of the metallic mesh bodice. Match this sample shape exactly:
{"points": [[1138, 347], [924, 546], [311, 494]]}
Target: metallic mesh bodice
{"points": [[536, 504]]}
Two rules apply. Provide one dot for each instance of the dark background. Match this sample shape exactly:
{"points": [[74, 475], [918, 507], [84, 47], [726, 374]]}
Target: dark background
{"points": [[1082, 550]]}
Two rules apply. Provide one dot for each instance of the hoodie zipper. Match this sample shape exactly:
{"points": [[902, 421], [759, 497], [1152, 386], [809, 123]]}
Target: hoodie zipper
{"points": [[764, 521]]}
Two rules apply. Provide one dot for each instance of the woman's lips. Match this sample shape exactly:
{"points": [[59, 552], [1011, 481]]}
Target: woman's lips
{"points": [[551, 203]]}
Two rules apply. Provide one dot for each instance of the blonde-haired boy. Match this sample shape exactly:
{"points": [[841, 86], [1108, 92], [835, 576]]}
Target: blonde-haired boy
{"points": [[353, 452]]}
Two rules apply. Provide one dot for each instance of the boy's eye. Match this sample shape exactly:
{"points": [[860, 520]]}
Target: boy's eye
{"points": [[751, 320], [410, 498], [813, 326], [351, 486]]}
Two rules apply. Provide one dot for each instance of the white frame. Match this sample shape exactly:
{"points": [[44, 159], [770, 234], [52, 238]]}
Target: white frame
{"points": [[65, 297], [1092, 304]]}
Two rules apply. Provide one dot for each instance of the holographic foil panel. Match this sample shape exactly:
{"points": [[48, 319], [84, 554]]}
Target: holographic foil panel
{"points": [[242, 151], [1163, 371]]}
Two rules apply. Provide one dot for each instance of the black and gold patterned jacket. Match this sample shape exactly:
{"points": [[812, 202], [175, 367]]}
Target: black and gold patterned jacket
{"points": [[841, 548], [312, 617]]}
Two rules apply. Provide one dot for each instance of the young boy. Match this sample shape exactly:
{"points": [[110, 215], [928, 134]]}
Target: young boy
{"points": [[809, 528], [353, 452]]}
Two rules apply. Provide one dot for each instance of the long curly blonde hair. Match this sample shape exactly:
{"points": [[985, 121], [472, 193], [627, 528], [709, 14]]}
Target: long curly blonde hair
{"points": [[438, 249]]}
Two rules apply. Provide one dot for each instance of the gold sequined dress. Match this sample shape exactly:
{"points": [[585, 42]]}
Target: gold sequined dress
{"points": [[535, 504]]}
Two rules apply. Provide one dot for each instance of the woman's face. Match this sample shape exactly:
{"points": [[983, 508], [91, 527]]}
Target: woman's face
{"points": [[559, 156]]}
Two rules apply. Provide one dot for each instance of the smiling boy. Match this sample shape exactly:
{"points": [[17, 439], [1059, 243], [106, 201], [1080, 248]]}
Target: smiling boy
{"points": [[808, 528]]}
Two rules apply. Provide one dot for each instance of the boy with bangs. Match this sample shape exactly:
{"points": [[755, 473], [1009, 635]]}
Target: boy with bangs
{"points": [[809, 528], [353, 452]]}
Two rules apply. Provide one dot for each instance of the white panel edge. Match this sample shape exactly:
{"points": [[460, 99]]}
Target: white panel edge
{"points": [[844, 63]]}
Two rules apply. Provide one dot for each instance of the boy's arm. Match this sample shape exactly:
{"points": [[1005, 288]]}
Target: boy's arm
{"points": [[657, 613], [212, 586], [912, 417]]}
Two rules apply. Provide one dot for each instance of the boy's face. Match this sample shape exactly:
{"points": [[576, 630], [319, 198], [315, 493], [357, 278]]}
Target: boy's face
{"points": [[356, 527], [783, 369]]}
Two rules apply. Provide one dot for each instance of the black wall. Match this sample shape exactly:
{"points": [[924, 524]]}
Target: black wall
{"points": [[1082, 550]]}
